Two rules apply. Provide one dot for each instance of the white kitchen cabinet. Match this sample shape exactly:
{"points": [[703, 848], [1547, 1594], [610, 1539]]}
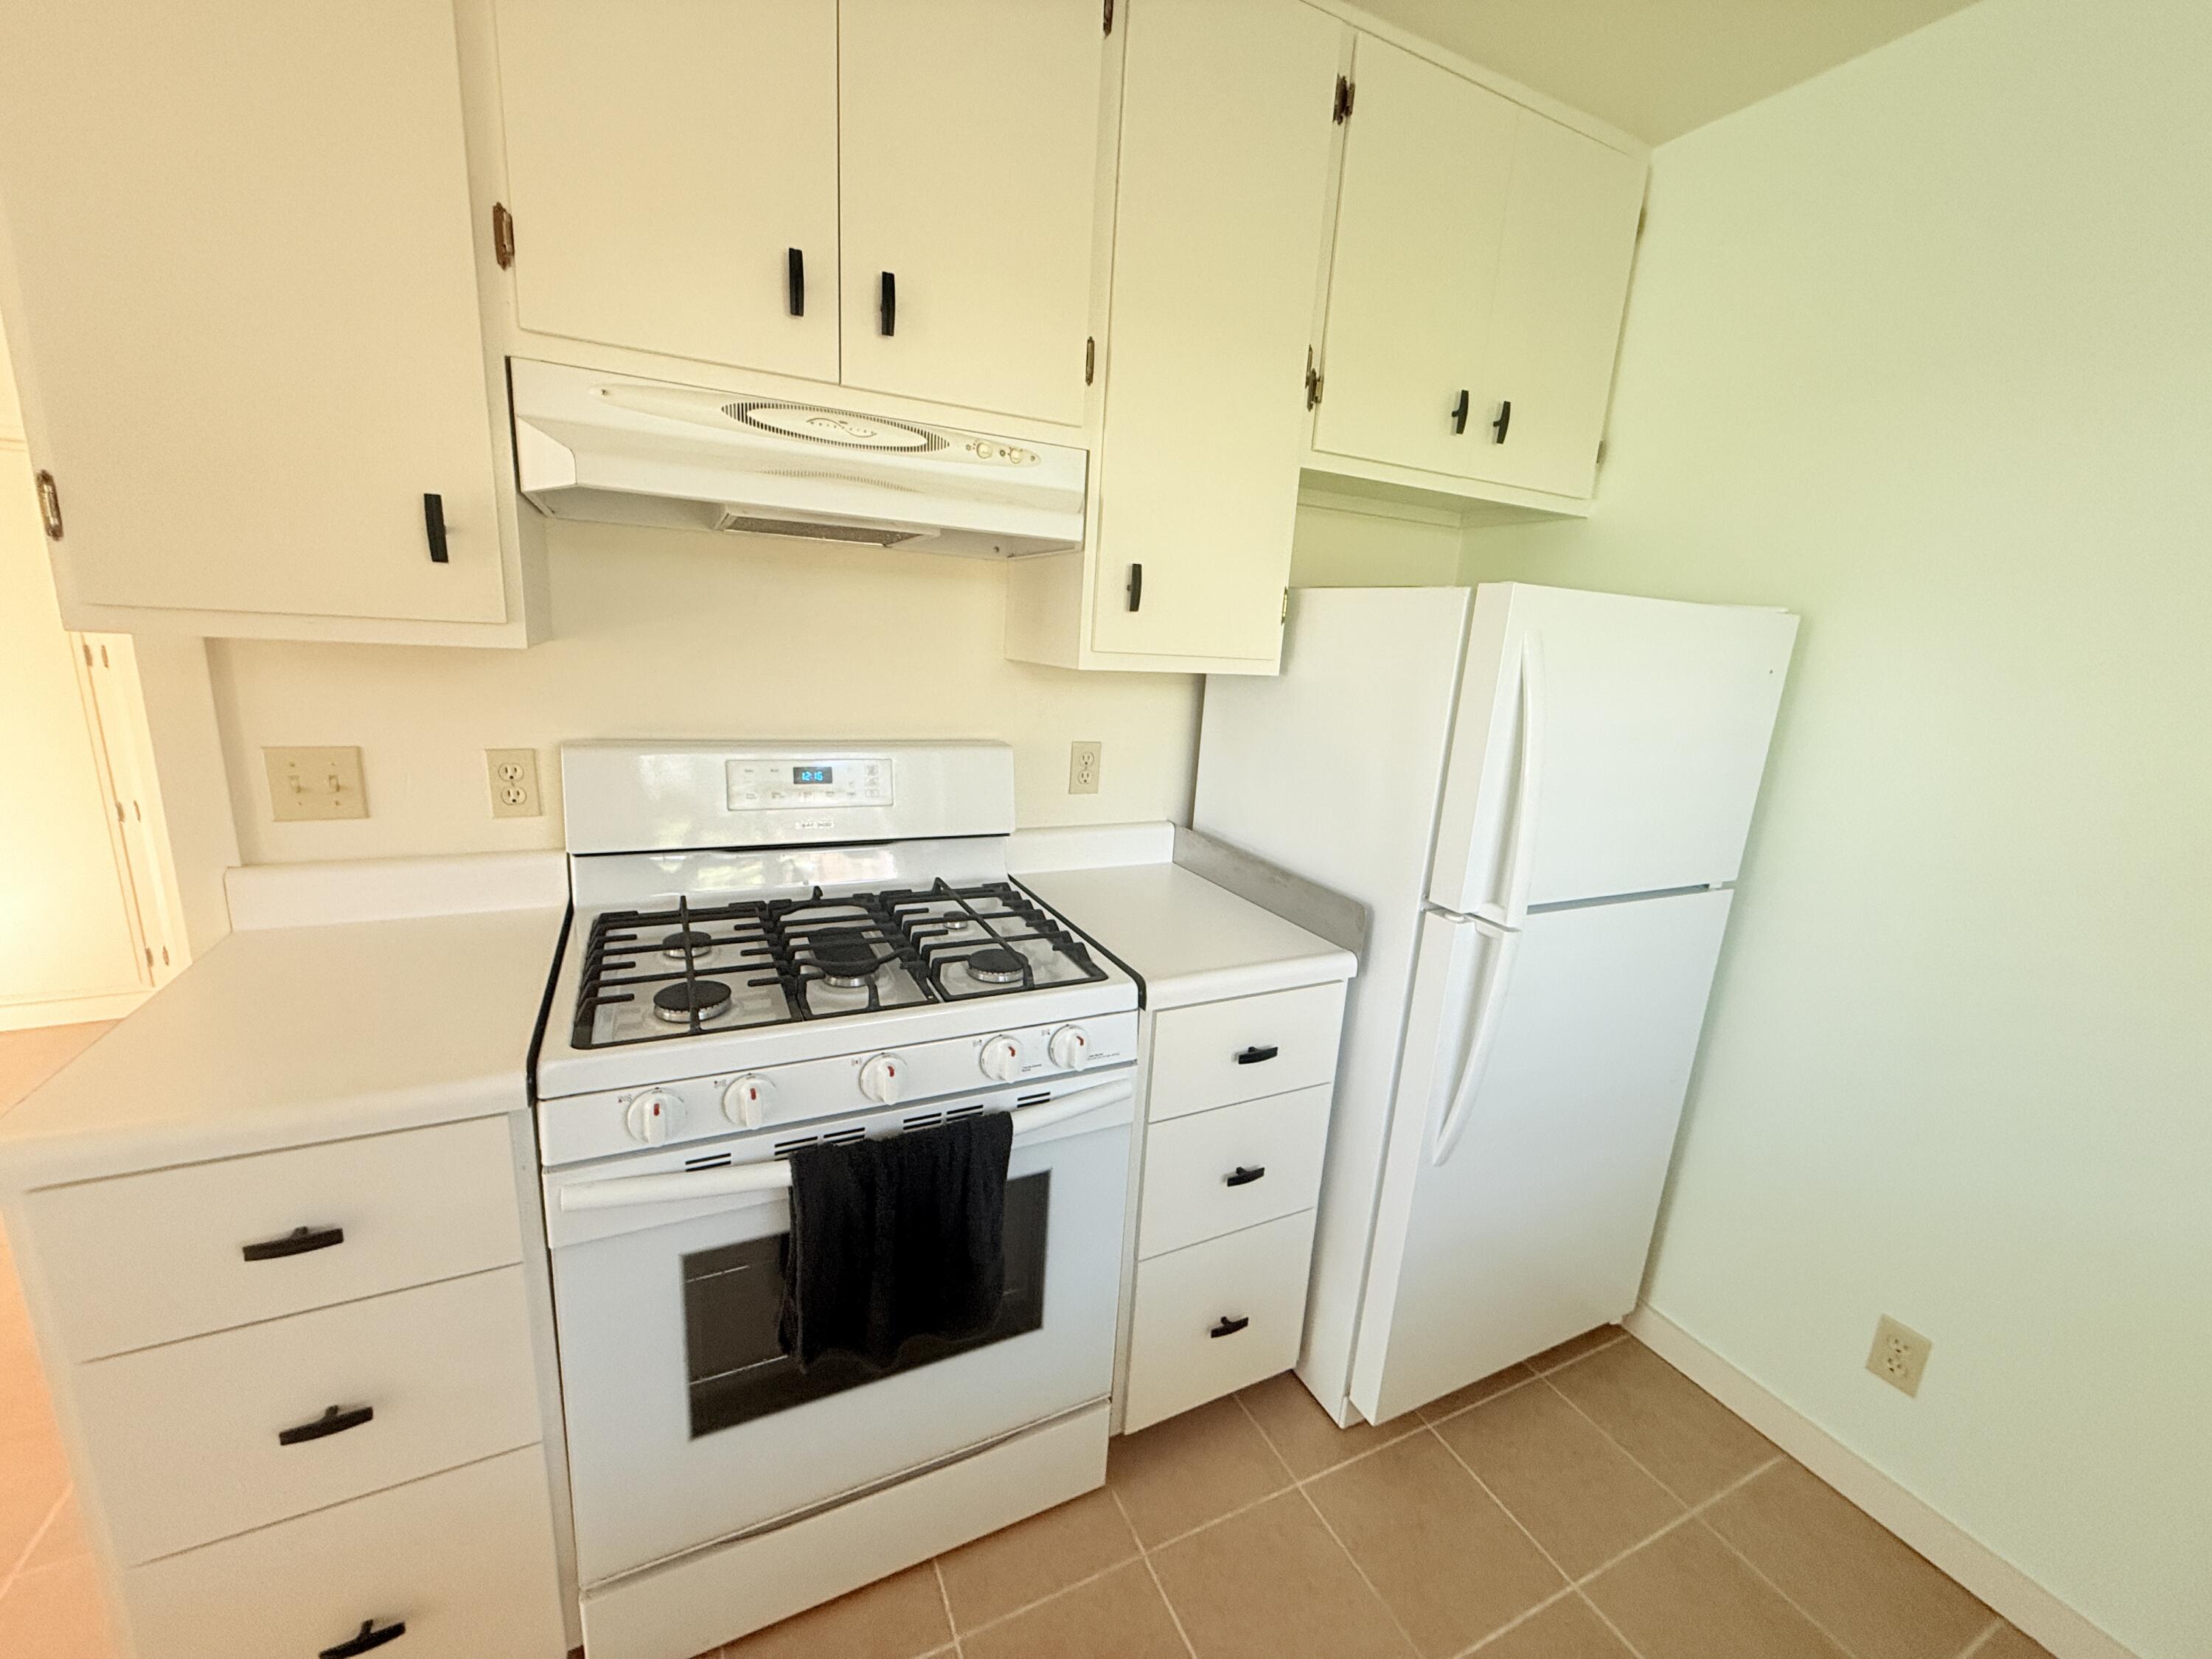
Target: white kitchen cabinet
{"points": [[674, 168], [1220, 225], [239, 286]]}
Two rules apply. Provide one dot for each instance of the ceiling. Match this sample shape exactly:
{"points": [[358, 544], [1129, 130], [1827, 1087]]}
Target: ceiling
{"points": [[1659, 68]]}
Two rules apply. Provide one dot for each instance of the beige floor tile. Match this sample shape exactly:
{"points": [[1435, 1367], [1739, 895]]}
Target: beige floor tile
{"points": [[1575, 1347], [1864, 1587], [1120, 1616], [895, 1618], [1684, 1435], [1475, 1393], [1686, 1595], [56, 1614], [1031, 1559], [1271, 1584], [1449, 1562], [2009, 1643], [1192, 1469], [1580, 1494], [64, 1539], [1303, 1435], [1565, 1630], [34, 1479]]}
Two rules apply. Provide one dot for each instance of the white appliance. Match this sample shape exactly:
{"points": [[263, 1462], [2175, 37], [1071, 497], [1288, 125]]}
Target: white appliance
{"points": [[616, 449], [773, 945], [1542, 797]]}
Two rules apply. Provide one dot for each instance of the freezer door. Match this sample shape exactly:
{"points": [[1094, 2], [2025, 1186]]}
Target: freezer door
{"points": [[1543, 1078], [1604, 745]]}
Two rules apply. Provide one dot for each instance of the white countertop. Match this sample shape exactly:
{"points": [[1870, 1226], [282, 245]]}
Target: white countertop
{"points": [[1188, 939], [284, 1035]]}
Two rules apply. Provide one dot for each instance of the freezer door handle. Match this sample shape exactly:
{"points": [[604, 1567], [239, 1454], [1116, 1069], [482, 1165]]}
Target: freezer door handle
{"points": [[1527, 786], [1460, 1107]]}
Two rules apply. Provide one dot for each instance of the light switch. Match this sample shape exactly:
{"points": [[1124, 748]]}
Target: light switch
{"points": [[314, 783]]}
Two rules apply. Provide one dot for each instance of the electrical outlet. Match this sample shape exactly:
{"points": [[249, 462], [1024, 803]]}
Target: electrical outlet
{"points": [[1082, 760], [1900, 1355], [314, 783], [513, 773]]}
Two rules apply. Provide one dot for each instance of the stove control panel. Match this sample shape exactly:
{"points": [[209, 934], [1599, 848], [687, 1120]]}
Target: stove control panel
{"points": [[776, 786]]}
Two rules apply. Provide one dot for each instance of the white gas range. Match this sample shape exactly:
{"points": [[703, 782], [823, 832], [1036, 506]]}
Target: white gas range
{"points": [[773, 945]]}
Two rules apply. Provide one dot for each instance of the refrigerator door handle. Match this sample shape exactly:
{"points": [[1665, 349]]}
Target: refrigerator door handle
{"points": [[1481, 1041], [1521, 834]]}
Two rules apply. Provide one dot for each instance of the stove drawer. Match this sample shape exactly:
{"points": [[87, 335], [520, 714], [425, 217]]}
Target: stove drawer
{"points": [[176, 1253], [184, 1440], [1211, 1173], [1257, 1277], [1219, 1053], [464, 1560]]}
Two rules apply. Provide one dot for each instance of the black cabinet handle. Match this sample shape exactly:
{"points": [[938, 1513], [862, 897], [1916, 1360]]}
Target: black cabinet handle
{"points": [[1244, 1174], [1459, 413], [1229, 1327], [434, 526], [1136, 586], [336, 1420], [1503, 420], [299, 1242], [1254, 1056], [794, 276], [369, 1640], [887, 304]]}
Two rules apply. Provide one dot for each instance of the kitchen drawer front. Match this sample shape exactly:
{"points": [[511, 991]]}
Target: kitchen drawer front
{"points": [[1259, 1275], [1269, 1149], [153, 1258], [1217, 1054], [464, 1560], [183, 1441]]}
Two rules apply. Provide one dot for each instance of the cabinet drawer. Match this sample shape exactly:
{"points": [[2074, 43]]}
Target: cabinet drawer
{"points": [[1259, 1275], [1219, 1053], [1211, 1173], [183, 1438], [151, 1258], [464, 1560]]}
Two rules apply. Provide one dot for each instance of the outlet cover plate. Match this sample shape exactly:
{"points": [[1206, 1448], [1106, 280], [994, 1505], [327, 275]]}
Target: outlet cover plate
{"points": [[1083, 759], [511, 774], [311, 784], [1900, 1355]]}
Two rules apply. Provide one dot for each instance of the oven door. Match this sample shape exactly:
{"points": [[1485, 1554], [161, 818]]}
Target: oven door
{"points": [[687, 1424]]}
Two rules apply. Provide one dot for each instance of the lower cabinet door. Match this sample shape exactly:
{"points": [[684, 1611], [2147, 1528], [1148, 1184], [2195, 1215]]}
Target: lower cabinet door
{"points": [[1210, 1319], [464, 1560], [1217, 1172]]}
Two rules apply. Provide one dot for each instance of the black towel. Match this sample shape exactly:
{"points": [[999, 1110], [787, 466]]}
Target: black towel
{"points": [[894, 1238]]}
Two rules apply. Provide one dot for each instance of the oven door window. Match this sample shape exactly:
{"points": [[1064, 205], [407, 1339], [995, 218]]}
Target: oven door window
{"points": [[733, 1296]]}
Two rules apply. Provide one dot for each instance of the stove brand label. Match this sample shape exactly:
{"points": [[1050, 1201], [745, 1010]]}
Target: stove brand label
{"points": [[817, 824]]}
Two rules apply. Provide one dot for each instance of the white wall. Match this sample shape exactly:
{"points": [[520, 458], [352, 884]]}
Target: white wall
{"points": [[671, 634], [1924, 350], [1336, 547]]}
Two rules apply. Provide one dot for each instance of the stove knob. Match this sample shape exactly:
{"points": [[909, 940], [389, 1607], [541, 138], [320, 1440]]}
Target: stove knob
{"points": [[1000, 1058], [653, 1116], [745, 1103], [883, 1079], [1070, 1048]]}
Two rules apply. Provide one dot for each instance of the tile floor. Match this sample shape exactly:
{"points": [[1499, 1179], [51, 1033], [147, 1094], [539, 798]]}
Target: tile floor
{"points": [[1591, 1505]]}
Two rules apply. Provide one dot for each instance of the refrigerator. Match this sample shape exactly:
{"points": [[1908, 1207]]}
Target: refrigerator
{"points": [[1541, 796]]}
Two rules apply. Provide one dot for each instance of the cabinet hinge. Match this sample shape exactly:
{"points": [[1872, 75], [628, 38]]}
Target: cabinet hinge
{"points": [[1109, 16], [50, 506], [149, 959], [1089, 359], [502, 235], [1600, 452], [1642, 214], [1344, 92], [1313, 381], [87, 645], [118, 811], [1285, 617]]}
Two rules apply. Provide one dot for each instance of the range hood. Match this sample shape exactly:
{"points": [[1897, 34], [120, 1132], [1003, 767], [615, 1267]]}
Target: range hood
{"points": [[616, 449]]}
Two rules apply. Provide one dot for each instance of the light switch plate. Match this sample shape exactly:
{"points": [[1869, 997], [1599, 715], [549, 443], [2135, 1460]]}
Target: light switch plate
{"points": [[306, 784]]}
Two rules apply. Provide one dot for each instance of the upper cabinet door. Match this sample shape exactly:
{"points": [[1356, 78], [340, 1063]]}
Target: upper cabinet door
{"points": [[970, 148], [1562, 282], [1428, 164], [244, 306], [673, 173], [1220, 225]]}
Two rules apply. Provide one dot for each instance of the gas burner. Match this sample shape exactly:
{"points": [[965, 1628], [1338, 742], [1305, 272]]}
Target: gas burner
{"points": [[685, 942], [996, 965], [682, 1000], [847, 957]]}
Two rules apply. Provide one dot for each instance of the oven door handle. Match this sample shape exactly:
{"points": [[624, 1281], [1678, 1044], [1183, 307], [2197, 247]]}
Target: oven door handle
{"points": [[620, 1192]]}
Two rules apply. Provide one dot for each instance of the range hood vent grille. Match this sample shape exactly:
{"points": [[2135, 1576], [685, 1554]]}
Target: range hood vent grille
{"points": [[862, 535]]}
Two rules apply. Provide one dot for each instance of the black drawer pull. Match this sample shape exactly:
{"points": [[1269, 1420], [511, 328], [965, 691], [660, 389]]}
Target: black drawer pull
{"points": [[1244, 1174], [1136, 588], [1229, 1327], [794, 276], [1503, 423], [887, 304], [1254, 1056], [298, 1242], [1459, 414], [336, 1420], [369, 1640], [434, 526]]}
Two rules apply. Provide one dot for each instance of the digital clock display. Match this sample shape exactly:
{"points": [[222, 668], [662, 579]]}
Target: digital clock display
{"points": [[810, 774]]}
